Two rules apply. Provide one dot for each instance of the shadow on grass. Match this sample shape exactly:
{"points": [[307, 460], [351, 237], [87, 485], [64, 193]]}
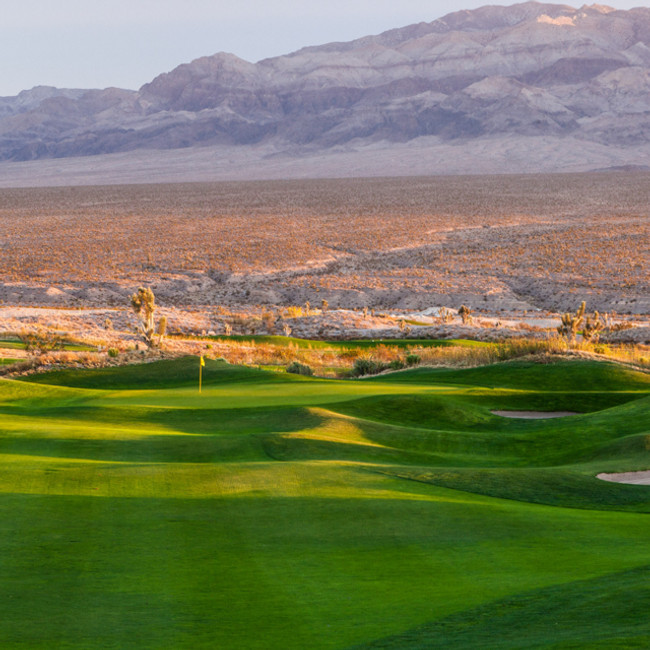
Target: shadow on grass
{"points": [[562, 487], [605, 612], [156, 435]]}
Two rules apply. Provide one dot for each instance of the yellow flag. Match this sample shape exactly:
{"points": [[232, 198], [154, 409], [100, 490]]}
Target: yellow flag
{"points": [[202, 361]]}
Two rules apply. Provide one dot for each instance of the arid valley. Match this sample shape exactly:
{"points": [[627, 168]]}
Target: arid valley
{"points": [[517, 250]]}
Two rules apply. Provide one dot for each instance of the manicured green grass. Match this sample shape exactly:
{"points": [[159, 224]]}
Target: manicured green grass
{"points": [[581, 613], [78, 347], [286, 341], [14, 344], [11, 344], [280, 511]]}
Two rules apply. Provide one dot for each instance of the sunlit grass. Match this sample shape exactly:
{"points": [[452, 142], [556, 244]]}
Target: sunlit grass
{"points": [[273, 511]]}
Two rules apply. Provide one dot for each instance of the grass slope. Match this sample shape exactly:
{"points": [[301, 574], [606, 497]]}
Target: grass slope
{"points": [[290, 341], [277, 511], [596, 613]]}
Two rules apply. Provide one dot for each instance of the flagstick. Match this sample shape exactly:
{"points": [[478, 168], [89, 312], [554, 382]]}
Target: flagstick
{"points": [[200, 376]]}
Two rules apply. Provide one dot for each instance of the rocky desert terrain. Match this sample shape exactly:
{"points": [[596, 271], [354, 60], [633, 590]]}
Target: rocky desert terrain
{"points": [[518, 250]]}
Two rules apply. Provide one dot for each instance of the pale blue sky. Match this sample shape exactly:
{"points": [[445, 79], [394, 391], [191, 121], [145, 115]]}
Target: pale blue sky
{"points": [[125, 43]]}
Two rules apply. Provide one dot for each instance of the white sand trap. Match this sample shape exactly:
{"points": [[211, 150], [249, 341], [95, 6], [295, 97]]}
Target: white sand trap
{"points": [[534, 415], [633, 478]]}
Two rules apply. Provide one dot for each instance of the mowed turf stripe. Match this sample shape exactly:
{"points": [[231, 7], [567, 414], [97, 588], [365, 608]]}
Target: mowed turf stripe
{"points": [[603, 612]]}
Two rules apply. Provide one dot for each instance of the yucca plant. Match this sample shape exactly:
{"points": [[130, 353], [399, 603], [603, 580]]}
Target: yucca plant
{"points": [[143, 304]]}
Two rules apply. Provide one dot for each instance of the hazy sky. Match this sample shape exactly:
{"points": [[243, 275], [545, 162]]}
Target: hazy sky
{"points": [[125, 43]]}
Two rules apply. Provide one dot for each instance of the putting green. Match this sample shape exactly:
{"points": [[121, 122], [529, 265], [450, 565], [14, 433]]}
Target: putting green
{"points": [[277, 511]]}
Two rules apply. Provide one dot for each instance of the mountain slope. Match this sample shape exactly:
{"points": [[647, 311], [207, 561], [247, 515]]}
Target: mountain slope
{"points": [[527, 70]]}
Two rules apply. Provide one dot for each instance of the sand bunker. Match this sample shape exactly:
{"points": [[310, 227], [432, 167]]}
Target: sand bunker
{"points": [[633, 478], [534, 415]]}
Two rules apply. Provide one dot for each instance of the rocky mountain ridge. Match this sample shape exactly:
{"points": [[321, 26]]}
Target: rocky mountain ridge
{"points": [[527, 70]]}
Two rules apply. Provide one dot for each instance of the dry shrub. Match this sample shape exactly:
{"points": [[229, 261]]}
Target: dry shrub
{"points": [[50, 358], [636, 354], [294, 312], [65, 357], [41, 340], [493, 353], [21, 367], [457, 356], [619, 327], [520, 347], [350, 355], [386, 353]]}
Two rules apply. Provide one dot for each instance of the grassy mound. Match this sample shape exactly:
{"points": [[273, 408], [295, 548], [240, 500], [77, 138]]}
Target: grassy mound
{"points": [[160, 374], [572, 376]]}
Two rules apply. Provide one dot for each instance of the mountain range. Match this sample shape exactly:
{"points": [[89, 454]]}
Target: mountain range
{"points": [[508, 79]]}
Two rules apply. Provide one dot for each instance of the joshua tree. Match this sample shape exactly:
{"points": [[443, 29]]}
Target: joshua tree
{"points": [[143, 304], [571, 323], [466, 314], [592, 327], [608, 320], [404, 328], [161, 330], [445, 315]]}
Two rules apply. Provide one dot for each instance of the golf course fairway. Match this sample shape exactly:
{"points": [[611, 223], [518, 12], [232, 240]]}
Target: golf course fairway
{"points": [[280, 511]]}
